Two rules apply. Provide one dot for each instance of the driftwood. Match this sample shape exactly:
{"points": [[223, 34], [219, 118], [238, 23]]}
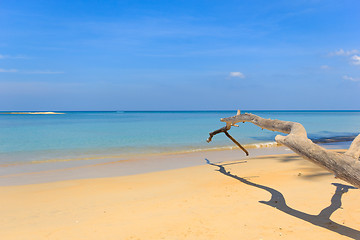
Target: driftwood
{"points": [[345, 166]]}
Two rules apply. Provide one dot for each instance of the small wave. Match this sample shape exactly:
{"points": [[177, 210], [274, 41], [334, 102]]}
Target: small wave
{"points": [[125, 157], [247, 146], [263, 145]]}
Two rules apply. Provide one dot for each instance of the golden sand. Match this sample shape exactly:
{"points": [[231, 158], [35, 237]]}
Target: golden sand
{"points": [[233, 200]]}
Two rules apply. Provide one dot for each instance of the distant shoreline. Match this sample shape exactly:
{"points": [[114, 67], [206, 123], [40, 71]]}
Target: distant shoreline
{"points": [[177, 111], [31, 113]]}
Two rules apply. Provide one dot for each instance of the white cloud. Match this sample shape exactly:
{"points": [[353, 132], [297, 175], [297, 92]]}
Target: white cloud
{"points": [[355, 60], [346, 77], [352, 54], [237, 74], [324, 67], [8, 70], [44, 72], [342, 52]]}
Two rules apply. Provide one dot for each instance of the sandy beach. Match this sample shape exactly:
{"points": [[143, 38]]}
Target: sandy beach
{"points": [[179, 120], [264, 197]]}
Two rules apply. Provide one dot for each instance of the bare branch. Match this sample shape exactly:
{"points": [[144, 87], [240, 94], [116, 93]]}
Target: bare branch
{"points": [[225, 130], [212, 134], [238, 144]]}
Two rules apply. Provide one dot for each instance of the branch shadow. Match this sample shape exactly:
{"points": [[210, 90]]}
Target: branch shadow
{"points": [[322, 219]]}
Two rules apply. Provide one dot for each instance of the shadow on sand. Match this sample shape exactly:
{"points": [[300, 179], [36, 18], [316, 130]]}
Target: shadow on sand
{"points": [[322, 219]]}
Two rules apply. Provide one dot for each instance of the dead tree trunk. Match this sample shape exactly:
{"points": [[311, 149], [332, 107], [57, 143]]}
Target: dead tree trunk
{"points": [[345, 166]]}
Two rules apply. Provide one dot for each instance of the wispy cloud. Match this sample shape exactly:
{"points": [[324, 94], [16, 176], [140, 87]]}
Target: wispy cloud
{"points": [[355, 59], [342, 52], [236, 75], [44, 72], [2, 70], [12, 57], [8, 70], [324, 67], [352, 55], [346, 77]]}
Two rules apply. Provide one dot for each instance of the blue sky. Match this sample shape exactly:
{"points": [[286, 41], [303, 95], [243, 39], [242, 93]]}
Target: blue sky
{"points": [[179, 55]]}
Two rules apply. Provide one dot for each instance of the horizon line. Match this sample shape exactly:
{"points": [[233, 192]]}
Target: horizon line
{"points": [[213, 110]]}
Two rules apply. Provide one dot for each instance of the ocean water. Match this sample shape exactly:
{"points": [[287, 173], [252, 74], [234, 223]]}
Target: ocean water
{"points": [[36, 138]]}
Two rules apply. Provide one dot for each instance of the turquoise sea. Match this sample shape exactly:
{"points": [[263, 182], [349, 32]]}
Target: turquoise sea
{"points": [[32, 138]]}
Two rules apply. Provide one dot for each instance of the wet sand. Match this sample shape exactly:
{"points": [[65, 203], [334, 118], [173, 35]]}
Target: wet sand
{"points": [[19, 174]]}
